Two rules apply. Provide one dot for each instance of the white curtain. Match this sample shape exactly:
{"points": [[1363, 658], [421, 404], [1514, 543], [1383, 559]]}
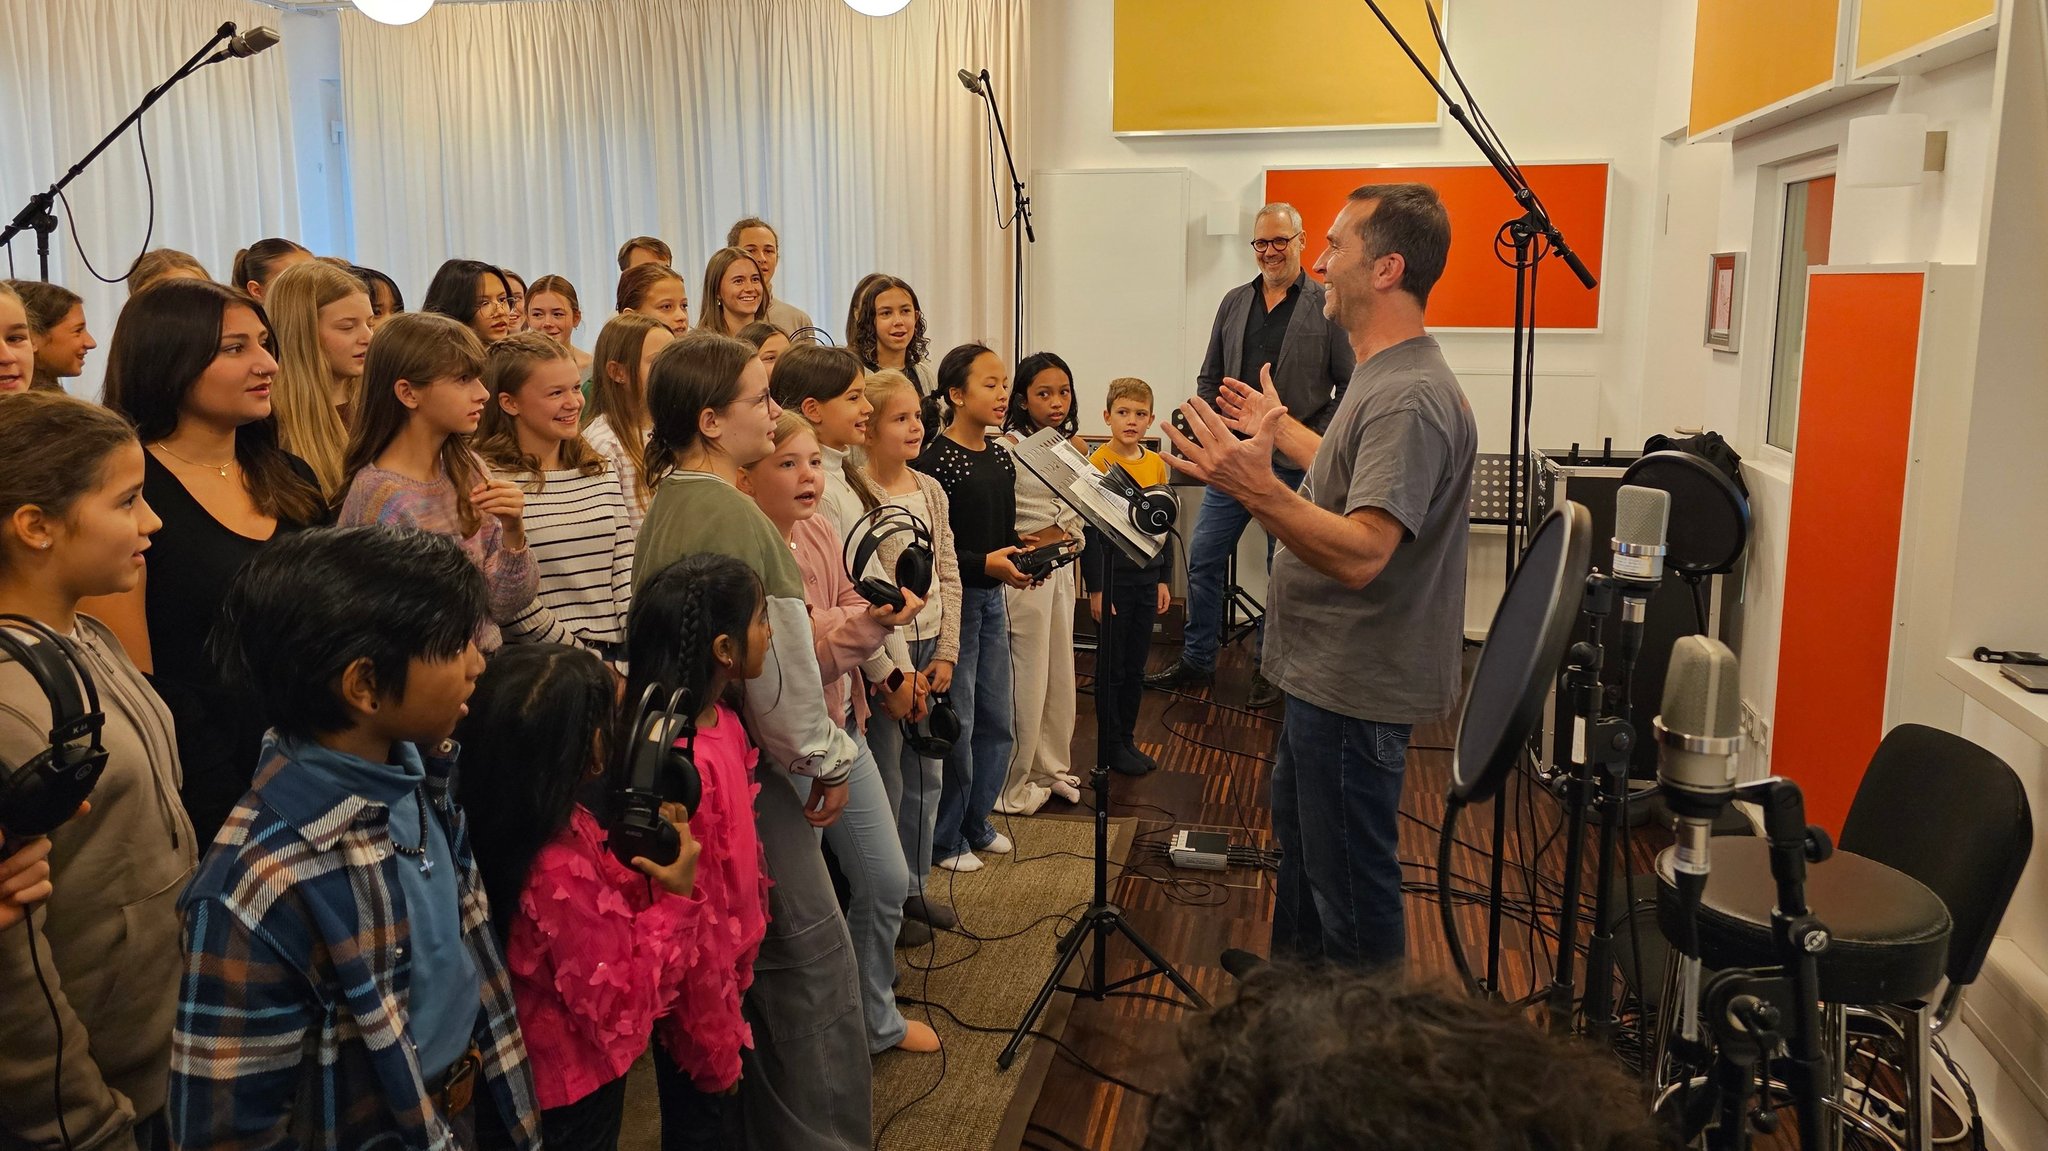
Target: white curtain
{"points": [[220, 143], [542, 134]]}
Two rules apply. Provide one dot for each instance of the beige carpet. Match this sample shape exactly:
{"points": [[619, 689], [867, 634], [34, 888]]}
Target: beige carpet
{"points": [[1030, 895]]}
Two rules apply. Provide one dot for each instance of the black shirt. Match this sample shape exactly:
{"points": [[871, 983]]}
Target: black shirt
{"points": [[1265, 331], [981, 494], [191, 561]]}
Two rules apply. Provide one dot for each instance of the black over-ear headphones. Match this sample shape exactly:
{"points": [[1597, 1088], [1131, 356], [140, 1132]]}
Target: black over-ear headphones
{"points": [[39, 795], [914, 565], [652, 771], [1153, 509], [936, 734]]}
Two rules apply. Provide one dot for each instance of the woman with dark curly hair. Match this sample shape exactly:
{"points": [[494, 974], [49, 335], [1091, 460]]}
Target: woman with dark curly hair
{"points": [[1311, 1058]]}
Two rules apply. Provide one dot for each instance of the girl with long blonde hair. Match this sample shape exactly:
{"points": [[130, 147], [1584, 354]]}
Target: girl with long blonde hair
{"points": [[320, 322]]}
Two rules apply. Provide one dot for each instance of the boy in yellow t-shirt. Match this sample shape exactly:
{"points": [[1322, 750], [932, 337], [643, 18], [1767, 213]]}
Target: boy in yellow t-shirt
{"points": [[1140, 593]]}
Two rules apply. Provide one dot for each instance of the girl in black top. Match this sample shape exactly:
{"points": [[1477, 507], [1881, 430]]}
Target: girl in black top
{"points": [[191, 367], [981, 490]]}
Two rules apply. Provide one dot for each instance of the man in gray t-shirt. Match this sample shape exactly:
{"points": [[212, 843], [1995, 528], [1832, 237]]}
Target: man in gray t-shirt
{"points": [[1366, 611]]}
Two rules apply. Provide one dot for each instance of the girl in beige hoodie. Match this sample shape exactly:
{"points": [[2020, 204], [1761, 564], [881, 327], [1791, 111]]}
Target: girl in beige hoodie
{"points": [[73, 524]]}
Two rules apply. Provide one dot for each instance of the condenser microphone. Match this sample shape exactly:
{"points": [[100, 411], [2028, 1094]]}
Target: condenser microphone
{"points": [[969, 81], [1641, 518], [253, 41], [1698, 734]]}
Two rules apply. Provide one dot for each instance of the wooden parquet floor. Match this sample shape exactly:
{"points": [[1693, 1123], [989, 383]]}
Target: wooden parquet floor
{"points": [[1214, 775]]}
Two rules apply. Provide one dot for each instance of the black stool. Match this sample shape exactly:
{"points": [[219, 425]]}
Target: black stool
{"points": [[1890, 941]]}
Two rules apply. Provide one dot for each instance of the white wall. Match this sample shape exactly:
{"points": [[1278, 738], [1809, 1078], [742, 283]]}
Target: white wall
{"points": [[1547, 105], [1725, 197]]}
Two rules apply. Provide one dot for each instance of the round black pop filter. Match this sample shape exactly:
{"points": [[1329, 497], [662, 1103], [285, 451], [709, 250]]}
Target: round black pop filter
{"points": [[1709, 518], [1531, 628]]}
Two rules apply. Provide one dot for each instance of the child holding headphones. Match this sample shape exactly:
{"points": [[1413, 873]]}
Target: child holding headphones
{"points": [[846, 630], [596, 951], [896, 436], [74, 523]]}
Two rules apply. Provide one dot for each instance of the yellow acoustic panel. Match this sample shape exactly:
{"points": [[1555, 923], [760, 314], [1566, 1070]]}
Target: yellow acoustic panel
{"points": [[1888, 28], [1225, 65], [1750, 54]]}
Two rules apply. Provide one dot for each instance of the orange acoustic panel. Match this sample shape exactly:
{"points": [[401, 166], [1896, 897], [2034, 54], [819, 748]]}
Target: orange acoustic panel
{"points": [[1842, 553], [1229, 66], [1750, 54], [1477, 290], [1886, 29]]}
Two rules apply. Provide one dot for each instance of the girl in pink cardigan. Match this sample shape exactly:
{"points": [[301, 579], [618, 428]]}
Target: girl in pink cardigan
{"points": [[848, 633], [604, 955]]}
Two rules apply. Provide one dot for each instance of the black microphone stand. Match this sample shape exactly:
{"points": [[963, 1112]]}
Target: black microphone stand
{"points": [[1522, 233], [1020, 212], [1598, 780], [40, 213], [1746, 1009], [1103, 919]]}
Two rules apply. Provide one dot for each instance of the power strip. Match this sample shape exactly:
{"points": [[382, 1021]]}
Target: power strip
{"points": [[1200, 850]]}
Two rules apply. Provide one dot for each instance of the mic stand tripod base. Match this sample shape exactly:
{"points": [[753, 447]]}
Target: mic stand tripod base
{"points": [[1097, 925]]}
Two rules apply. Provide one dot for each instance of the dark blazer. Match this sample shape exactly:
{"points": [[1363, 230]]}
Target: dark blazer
{"points": [[1315, 359]]}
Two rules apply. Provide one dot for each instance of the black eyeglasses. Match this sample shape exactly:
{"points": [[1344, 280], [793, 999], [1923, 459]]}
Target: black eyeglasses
{"points": [[1278, 244]]}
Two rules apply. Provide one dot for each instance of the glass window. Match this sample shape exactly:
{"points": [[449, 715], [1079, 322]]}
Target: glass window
{"points": [[1809, 221]]}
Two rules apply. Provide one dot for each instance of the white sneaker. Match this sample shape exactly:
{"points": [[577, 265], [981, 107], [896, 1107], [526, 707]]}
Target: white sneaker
{"points": [[1000, 845], [1066, 790], [964, 862]]}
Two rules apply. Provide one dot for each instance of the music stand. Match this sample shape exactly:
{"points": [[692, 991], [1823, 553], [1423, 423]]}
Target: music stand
{"points": [[1075, 481]]}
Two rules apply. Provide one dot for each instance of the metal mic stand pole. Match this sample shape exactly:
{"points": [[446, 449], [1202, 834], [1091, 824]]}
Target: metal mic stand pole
{"points": [[1020, 206], [40, 213], [1534, 222]]}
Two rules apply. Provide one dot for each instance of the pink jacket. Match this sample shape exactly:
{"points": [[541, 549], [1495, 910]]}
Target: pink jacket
{"points": [[600, 956], [843, 631]]}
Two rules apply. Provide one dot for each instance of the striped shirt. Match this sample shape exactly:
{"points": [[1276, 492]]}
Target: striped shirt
{"points": [[581, 537], [604, 441]]}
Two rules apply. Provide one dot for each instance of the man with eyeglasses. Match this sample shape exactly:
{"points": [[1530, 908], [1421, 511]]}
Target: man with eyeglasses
{"points": [[1274, 323]]}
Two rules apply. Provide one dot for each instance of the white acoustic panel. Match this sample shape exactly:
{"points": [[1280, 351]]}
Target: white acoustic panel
{"points": [[1109, 280]]}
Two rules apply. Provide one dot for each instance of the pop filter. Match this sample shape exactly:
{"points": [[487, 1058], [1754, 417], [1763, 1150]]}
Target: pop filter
{"points": [[1709, 516], [1524, 647]]}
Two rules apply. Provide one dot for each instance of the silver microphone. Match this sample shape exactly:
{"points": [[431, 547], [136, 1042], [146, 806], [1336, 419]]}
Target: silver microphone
{"points": [[1698, 734], [1641, 516], [970, 81], [253, 41]]}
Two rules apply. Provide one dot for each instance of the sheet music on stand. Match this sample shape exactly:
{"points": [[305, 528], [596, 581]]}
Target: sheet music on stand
{"points": [[1054, 460]]}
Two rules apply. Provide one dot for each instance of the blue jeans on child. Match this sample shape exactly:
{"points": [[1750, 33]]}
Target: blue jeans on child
{"points": [[912, 780], [863, 840], [976, 766], [1336, 809]]}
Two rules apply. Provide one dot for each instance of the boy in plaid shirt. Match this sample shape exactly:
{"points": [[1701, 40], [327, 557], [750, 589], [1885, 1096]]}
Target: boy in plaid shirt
{"points": [[342, 986]]}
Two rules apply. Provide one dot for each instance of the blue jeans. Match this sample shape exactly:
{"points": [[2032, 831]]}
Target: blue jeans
{"points": [[1221, 522], [863, 840], [980, 759], [1336, 804], [913, 781]]}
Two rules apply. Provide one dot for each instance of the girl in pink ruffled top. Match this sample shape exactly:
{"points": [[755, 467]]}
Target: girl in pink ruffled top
{"points": [[602, 955]]}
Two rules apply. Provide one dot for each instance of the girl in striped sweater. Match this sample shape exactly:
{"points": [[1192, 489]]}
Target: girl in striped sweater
{"points": [[575, 516]]}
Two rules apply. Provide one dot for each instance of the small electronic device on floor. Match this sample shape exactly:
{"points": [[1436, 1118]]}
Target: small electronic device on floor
{"points": [[1203, 850]]}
